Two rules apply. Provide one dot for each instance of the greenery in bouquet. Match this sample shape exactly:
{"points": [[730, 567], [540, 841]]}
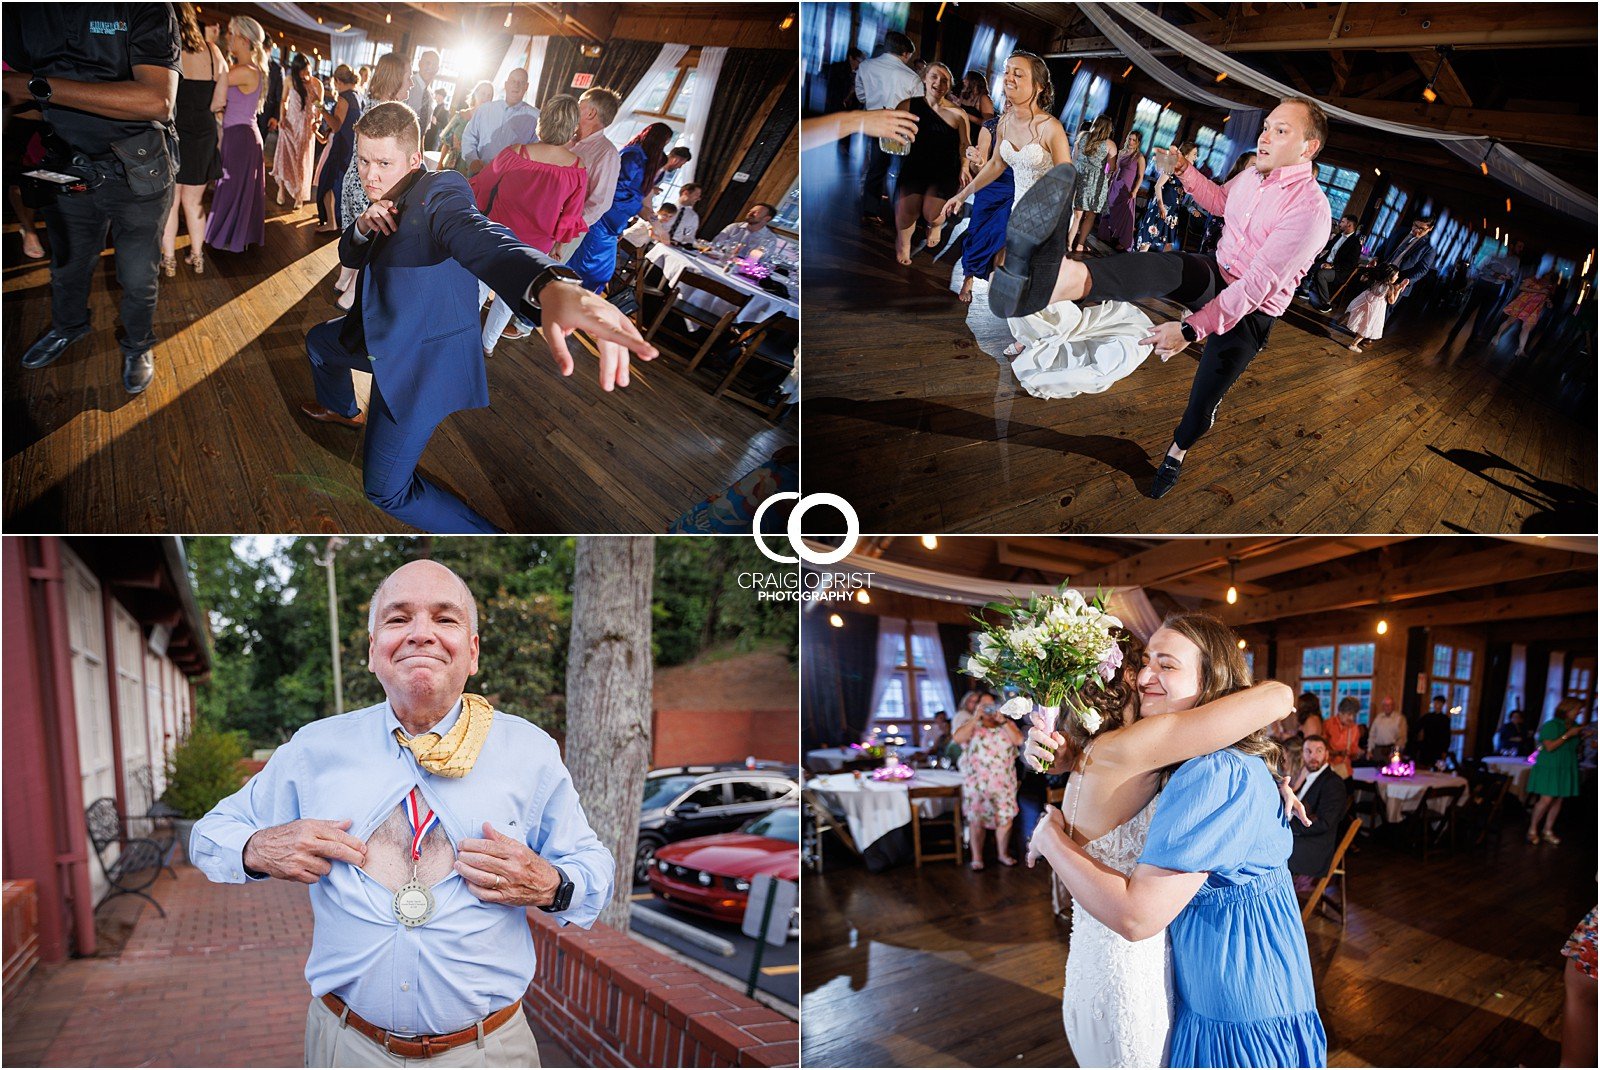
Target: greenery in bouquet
{"points": [[1048, 648]]}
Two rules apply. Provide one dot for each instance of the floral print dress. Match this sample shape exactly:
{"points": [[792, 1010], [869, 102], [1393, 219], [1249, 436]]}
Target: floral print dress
{"points": [[989, 792]]}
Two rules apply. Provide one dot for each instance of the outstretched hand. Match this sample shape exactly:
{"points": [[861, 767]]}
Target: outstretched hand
{"points": [[889, 123], [1167, 338], [1292, 806], [567, 308]]}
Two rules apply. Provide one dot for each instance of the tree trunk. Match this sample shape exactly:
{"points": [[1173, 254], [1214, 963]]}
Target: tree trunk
{"points": [[609, 669]]}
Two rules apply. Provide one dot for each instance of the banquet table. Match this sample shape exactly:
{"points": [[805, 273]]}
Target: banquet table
{"points": [[1517, 769], [879, 811], [759, 304], [831, 759], [1399, 794]]}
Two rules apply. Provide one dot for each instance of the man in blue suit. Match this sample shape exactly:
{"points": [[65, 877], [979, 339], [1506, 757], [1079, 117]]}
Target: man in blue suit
{"points": [[422, 247], [1414, 258]]}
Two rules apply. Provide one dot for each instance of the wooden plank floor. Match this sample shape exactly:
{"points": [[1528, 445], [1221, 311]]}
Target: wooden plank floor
{"points": [[914, 416], [217, 443], [1455, 962]]}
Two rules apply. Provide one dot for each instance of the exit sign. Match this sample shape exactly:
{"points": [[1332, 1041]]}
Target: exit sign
{"points": [[582, 81]]}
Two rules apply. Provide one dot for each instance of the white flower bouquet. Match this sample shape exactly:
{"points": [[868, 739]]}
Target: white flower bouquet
{"points": [[1048, 648]]}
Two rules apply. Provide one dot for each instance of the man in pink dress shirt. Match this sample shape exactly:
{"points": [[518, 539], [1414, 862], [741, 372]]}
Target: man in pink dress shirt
{"points": [[1275, 222]]}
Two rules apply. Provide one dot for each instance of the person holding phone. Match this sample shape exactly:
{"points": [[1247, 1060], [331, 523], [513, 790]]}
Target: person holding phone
{"points": [[989, 742], [423, 247]]}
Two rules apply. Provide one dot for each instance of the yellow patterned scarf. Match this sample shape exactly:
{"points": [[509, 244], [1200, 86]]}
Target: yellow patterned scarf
{"points": [[454, 753]]}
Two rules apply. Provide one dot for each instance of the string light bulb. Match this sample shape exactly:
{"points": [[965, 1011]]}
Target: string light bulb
{"points": [[1233, 590], [931, 542], [788, 20], [388, 17], [863, 597], [1128, 71], [508, 20], [1484, 167], [1241, 644], [1383, 627], [1222, 77], [836, 620]]}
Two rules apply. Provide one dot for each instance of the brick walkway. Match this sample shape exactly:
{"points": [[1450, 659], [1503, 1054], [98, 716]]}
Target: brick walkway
{"points": [[236, 951]]}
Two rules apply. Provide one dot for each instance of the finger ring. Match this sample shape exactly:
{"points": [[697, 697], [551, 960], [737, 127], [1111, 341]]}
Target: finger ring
{"points": [[497, 880]]}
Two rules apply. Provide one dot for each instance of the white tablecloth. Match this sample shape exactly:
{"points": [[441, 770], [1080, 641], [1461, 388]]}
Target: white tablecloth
{"points": [[830, 759], [875, 807], [1517, 769], [1401, 794], [759, 304]]}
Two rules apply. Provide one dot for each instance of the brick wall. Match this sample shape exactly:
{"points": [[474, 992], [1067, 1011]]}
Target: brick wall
{"points": [[693, 736], [612, 1001]]}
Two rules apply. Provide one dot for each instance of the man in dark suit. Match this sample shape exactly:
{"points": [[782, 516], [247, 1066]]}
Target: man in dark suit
{"points": [[1323, 793], [1335, 265], [422, 247], [1413, 257], [1433, 736], [268, 119]]}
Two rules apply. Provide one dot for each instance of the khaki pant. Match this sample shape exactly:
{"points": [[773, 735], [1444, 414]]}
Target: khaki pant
{"points": [[330, 1044]]}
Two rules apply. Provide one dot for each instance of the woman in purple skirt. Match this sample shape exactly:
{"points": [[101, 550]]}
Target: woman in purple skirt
{"points": [[239, 206], [1116, 226]]}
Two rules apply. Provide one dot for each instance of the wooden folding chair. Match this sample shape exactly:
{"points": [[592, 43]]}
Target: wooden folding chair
{"points": [[686, 344], [1366, 801], [1431, 826], [772, 341], [952, 820], [1336, 868], [822, 821]]}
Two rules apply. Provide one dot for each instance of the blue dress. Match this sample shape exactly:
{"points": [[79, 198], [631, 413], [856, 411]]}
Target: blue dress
{"points": [[1240, 968], [336, 156], [595, 259], [991, 211], [1160, 224]]}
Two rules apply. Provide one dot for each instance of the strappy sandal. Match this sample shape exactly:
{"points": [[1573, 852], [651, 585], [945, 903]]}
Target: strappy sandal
{"points": [[197, 261], [169, 266]]}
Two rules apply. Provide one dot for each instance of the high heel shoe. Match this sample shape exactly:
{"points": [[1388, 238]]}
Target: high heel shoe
{"points": [[197, 261], [169, 266]]}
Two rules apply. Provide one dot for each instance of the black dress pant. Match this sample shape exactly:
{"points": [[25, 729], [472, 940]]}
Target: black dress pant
{"points": [[78, 223], [1191, 280], [1481, 299]]}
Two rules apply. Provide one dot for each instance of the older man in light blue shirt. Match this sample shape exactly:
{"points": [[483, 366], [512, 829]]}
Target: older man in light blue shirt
{"points": [[500, 124], [424, 840]]}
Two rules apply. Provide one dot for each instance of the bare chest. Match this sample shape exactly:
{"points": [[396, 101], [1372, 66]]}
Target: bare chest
{"points": [[389, 859]]}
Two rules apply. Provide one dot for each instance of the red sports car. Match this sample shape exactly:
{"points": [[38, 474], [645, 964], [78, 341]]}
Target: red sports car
{"points": [[711, 875]]}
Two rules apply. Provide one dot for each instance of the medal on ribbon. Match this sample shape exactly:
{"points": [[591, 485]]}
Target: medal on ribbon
{"points": [[413, 903]]}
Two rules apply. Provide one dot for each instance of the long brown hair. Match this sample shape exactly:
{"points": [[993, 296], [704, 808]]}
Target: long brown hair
{"points": [[387, 79], [654, 140], [190, 37], [1222, 672]]}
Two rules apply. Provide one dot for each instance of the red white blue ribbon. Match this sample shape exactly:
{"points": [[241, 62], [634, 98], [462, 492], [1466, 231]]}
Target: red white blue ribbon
{"points": [[421, 823]]}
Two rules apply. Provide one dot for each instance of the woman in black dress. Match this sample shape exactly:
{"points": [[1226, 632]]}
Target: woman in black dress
{"points": [[935, 167], [199, 66]]}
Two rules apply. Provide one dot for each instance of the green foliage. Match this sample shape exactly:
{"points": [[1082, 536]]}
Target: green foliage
{"points": [[204, 769], [272, 669]]}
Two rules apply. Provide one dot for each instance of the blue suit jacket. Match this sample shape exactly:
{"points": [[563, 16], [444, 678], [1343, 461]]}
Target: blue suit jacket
{"points": [[419, 297], [1419, 258]]}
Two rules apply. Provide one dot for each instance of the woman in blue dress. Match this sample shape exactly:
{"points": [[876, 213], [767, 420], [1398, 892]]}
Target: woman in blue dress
{"points": [[991, 211], [341, 143], [595, 259], [1213, 873], [1159, 228]]}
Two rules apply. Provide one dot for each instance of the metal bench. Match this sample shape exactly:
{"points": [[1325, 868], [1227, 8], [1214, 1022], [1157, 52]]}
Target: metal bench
{"points": [[160, 817], [138, 864]]}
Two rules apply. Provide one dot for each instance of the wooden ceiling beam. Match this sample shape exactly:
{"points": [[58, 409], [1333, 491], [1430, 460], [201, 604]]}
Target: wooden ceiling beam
{"points": [[1178, 558], [1304, 553], [1392, 84], [1078, 549], [1497, 613], [1434, 576], [1527, 128]]}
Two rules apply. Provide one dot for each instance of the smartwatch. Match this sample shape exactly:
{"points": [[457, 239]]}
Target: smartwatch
{"points": [[546, 277], [39, 86], [1189, 333], [563, 896]]}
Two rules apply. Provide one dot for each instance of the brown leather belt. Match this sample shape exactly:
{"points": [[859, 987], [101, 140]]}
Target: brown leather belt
{"points": [[423, 1046]]}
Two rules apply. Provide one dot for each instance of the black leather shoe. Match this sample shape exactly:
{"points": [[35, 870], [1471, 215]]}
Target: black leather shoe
{"points": [[1036, 243], [48, 349], [1166, 477], [137, 371]]}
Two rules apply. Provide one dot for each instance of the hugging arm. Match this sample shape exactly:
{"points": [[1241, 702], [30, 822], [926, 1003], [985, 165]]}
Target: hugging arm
{"points": [[1156, 742], [1135, 907]]}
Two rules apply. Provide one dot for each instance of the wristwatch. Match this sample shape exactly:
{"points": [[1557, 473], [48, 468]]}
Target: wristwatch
{"points": [[546, 277], [1189, 333], [563, 896], [39, 86]]}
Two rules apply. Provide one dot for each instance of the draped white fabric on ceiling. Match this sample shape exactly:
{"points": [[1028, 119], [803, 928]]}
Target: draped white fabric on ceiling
{"points": [[1504, 165], [516, 56], [349, 46]]}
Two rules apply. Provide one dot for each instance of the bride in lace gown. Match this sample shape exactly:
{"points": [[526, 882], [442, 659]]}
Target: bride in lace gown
{"points": [[1117, 998]]}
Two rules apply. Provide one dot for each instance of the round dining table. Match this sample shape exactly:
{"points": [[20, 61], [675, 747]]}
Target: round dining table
{"points": [[877, 811], [1400, 794], [759, 304], [1517, 769]]}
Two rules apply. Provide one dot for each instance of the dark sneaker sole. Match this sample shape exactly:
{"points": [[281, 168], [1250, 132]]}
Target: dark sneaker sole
{"points": [[1036, 244]]}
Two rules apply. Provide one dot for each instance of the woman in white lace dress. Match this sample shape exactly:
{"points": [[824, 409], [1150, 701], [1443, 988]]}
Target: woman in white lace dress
{"points": [[1117, 995]]}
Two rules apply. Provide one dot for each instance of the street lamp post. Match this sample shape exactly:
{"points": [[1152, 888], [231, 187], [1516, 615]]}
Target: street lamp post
{"points": [[335, 544]]}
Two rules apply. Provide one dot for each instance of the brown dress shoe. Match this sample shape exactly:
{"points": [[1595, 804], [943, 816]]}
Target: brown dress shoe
{"points": [[328, 416]]}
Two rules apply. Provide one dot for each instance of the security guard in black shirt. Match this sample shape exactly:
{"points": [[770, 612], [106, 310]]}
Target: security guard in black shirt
{"points": [[106, 78]]}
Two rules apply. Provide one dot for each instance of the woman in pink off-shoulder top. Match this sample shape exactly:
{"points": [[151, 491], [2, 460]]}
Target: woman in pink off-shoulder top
{"points": [[537, 191]]}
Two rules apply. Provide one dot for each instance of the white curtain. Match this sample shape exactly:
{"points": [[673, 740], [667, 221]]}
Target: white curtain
{"points": [[929, 651], [890, 631], [707, 71], [516, 56], [666, 62], [350, 49], [347, 47], [536, 53]]}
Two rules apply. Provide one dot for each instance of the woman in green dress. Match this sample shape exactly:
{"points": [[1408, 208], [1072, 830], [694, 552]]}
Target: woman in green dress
{"points": [[1555, 773]]}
